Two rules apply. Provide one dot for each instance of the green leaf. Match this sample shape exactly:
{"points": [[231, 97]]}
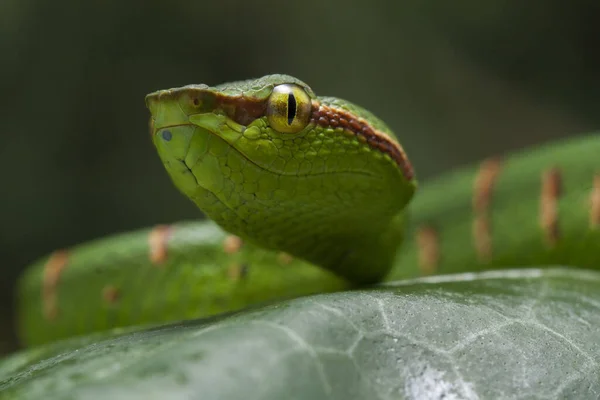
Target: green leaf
{"points": [[502, 334]]}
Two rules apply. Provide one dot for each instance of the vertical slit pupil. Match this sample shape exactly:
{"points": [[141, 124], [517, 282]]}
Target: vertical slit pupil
{"points": [[291, 109]]}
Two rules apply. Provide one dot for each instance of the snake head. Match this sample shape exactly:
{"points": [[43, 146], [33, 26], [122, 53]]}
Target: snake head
{"points": [[317, 177]]}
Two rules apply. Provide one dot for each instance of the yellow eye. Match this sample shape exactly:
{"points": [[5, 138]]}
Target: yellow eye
{"points": [[288, 108]]}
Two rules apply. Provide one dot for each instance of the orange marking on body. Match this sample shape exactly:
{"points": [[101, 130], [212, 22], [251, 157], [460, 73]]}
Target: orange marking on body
{"points": [[111, 294], [52, 272], [548, 214], [232, 244], [595, 203], [482, 238], [484, 183], [428, 244], [285, 258], [237, 271], [483, 189], [158, 243]]}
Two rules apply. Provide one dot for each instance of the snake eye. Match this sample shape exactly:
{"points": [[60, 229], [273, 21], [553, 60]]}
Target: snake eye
{"points": [[288, 108]]}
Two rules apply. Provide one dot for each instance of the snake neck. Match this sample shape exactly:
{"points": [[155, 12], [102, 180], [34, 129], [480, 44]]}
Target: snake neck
{"points": [[346, 244]]}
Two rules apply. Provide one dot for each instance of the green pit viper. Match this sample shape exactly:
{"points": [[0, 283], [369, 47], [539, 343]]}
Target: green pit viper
{"points": [[308, 194]]}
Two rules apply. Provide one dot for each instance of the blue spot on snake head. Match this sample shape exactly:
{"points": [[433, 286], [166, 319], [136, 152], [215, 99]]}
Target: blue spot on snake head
{"points": [[167, 135], [184, 151], [172, 143]]}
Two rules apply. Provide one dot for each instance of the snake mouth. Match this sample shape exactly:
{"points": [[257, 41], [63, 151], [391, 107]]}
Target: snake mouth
{"points": [[234, 137], [188, 133], [155, 129]]}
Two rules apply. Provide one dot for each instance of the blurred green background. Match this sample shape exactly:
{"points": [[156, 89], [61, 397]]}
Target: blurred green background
{"points": [[457, 81]]}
